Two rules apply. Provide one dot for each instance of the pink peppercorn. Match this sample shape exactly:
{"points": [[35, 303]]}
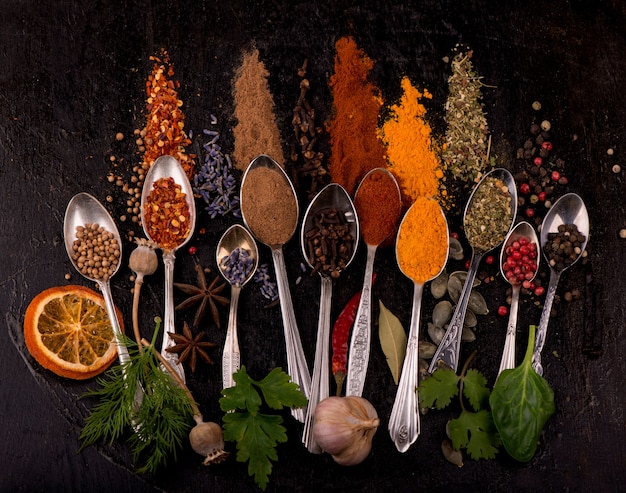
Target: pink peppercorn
{"points": [[541, 196], [538, 161], [547, 146], [489, 259], [555, 176], [530, 212], [539, 290], [192, 250], [503, 311], [524, 188]]}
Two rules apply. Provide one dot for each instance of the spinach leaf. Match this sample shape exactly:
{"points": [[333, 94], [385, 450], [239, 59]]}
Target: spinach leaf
{"points": [[521, 403]]}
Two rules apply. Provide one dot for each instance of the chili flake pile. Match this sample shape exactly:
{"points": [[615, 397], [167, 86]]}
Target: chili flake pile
{"points": [[167, 214]]}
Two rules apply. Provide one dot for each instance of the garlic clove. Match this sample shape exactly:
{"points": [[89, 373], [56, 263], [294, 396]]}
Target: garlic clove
{"points": [[207, 439], [344, 428]]}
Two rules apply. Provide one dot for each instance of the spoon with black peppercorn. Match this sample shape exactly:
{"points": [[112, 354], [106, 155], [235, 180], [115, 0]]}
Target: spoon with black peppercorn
{"points": [[87, 216], [489, 217], [565, 226], [237, 260], [519, 251], [330, 231], [164, 168], [269, 208]]}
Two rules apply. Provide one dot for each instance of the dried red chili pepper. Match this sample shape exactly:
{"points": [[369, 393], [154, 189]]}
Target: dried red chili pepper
{"points": [[340, 335]]}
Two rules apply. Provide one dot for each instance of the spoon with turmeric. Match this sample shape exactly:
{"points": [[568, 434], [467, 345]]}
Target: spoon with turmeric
{"points": [[422, 252], [378, 204]]}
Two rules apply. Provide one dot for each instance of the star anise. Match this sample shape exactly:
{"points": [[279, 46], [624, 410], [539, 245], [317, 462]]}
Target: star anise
{"points": [[189, 347], [204, 295]]}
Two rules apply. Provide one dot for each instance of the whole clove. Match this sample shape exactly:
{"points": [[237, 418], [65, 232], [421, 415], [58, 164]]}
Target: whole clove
{"points": [[329, 244]]}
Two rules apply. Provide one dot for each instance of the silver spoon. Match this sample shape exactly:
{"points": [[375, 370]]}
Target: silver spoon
{"points": [[335, 197], [84, 209], [236, 239], [450, 346], [296, 361], [525, 230], [362, 332], [568, 209], [404, 422], [166, 167]]}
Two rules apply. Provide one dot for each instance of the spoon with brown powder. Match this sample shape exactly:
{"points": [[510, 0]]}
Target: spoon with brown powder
{"points": [[270, 211]]}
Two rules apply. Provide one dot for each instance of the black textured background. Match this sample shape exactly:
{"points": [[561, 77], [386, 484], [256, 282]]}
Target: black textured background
{"points": [[72, 75]]}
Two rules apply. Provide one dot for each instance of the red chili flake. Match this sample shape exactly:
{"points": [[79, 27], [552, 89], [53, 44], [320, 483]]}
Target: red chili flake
{"points": [[167, 214]]}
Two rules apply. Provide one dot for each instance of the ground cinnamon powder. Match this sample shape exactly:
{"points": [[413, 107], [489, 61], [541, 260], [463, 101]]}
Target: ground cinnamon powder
{"points": [[256, 131], [411, 150], [355, 147], [269, 206]]}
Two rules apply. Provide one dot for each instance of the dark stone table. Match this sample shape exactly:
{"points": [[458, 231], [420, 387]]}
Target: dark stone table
{"points": [[73, 76]]}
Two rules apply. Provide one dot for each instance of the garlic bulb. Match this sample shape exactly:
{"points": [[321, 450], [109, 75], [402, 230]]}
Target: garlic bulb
{"points": [[344, 428], [207, 438]]}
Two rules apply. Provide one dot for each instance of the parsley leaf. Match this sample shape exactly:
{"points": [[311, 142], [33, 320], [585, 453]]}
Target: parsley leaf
{"points": [[439, 389], [477, 433], [475, 389], [279, 391], [257, 434]]}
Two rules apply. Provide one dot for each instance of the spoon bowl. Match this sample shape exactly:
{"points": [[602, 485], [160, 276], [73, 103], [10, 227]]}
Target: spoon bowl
{"points": [[237, 259], [568, 209], [169, 167], [296, 361], [404, 422], [333, 199], [447, 352], [521, 230], [360, 341]]}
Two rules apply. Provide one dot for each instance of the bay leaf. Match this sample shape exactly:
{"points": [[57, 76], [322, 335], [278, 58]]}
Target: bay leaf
{"points": [[392, 340]]}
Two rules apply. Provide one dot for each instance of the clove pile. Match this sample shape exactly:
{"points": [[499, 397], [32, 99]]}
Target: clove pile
{"points": [[329, 243]]}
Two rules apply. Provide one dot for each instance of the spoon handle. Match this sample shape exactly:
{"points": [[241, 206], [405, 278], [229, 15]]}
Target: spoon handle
{"points": [[168, 322], [404, 422], [362, 333], [545, 319], [450, 346], [231, 358], [296, 361], [508, 354], [321, 373]]}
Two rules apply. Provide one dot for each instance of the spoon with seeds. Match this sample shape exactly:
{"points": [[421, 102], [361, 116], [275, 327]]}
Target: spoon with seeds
{"points": [[525, 232], [237, 258], [330, 231], [489, 214], [168, 217], [269, 208], [404, 422], [382, 223], [567, 210]]}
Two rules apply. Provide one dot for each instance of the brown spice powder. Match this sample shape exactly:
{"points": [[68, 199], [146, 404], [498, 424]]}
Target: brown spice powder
{"points": [[269, 206], [256, 131]]}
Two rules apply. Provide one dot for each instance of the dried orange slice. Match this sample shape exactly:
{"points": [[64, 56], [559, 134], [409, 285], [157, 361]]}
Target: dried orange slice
{"points": [[67, 330]]}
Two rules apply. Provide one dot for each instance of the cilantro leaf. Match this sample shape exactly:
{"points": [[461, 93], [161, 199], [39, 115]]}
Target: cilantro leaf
{"points": [[256, 436], [477, 433], [279, 391], [242, 396], [439, 389], [475, 389]]}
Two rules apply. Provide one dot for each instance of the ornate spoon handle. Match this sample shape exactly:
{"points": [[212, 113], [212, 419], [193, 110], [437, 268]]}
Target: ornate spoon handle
{"points": [[168, 317], [231, 358], [545, 319]]}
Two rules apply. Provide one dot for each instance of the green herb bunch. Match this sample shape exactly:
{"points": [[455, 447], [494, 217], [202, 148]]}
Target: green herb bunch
{"points": [[258, 433], [162, 421], [513, 414]]}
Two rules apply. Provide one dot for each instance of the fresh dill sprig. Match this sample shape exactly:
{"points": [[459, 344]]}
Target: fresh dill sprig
{"points": [[162, 421]]}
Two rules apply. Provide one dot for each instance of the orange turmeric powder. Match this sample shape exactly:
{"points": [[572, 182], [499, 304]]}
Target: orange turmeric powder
{"points": [[411, 151], [422, 245]]}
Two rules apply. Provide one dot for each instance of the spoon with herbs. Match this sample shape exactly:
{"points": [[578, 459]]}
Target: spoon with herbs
{"points": [[237, 259], [489, 214], [330, 231], [564, 234], [269, 208], [519, 263], [168, 216], [378, 204], [421, 252]]}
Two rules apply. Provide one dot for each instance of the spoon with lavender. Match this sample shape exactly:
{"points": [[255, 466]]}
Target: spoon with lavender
{"points": [[237, 259]]}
